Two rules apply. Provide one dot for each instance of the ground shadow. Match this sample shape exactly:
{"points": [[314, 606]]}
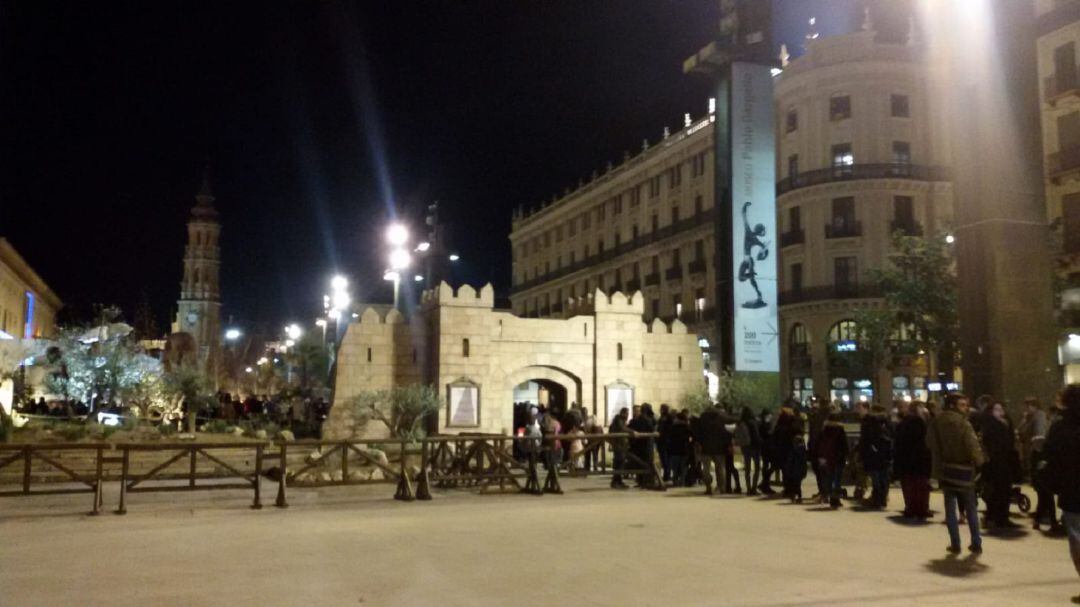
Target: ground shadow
{"points": [[905, 521], [1007, 533], [955, 566]]}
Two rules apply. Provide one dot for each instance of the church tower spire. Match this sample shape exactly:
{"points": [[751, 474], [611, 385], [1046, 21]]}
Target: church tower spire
{"points": [[199, 307]]}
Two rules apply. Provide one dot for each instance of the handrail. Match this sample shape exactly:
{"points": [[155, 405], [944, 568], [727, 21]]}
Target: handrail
{"points": [[917, 172]]}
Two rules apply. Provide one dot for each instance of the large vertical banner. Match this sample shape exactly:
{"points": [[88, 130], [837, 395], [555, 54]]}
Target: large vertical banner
{"points": [[753, 221]]}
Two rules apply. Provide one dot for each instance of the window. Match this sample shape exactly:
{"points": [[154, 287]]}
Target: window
{"points": [[547, 268], [572, 227], [655, 222], [799, 340], [796, 278], [547, 239], [842, 159], [791, 124], [845, 275], [586, 221], [699, 250], [634, 231], [655, 305], [793, 166], [699, 205], [840, 107], [572, 258], [674, 176], [635, 195], [618, 278], [600, 247], [900, 106], [676, 259], [655, 264], [697, 165], [903, 213], [699, 305], [794, 219], [676, 305], [616, 204], [369, 354], [465, 347], [901, 152], [618, 351], [675, 214], [1068, 131], [601, 213], [654, 186], [618, 239], [843, 214], [1070, 215], [1065, 67], [558, 234], [586, 255]]}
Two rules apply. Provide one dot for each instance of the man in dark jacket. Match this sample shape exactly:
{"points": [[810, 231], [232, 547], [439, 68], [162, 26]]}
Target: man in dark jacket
{"points": [[619, 447], [830, 452], [708, 436], [912, 462], [1062, 453], [663, 428], [875, 450], [955, 457]]}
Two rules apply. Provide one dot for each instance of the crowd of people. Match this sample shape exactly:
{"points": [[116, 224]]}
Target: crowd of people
{"points": [[971, 451]]}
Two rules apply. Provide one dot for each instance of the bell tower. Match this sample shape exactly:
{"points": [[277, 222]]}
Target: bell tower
{"points": [[199, 308]]}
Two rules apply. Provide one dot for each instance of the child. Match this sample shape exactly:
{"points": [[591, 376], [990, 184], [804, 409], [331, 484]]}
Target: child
{"points": [[795, 468]]}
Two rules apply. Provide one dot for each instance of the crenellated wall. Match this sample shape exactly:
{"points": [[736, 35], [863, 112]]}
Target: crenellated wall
{"points": [[457, 337]]}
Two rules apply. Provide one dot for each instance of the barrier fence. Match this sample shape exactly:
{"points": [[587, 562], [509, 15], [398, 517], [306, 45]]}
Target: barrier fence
{"points": [[475, 461]]}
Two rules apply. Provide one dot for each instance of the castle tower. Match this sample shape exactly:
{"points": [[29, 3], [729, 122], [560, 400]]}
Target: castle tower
{"points": [[199, 308]]}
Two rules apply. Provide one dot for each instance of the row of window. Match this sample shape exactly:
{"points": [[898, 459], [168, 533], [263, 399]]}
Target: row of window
{"points": [[840, 109], [843, 222], [843, 331], [843, 157], [550, 304], [614, 206], [675, 256]]}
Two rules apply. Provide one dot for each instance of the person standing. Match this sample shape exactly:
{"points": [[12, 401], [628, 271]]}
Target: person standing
{"points": [[817, 418], [1062, 453], [1045, 509], [955, 458], [768, 452], [679, 447], [912, 462], [831, 451], [663, 428], [999, 445], [748, 439], [642, 448], [619, 447], [727, 443], [1032, 430], [707, 435], [875, 450]]}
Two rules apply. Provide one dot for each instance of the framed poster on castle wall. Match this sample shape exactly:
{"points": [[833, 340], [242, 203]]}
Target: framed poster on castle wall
{"points": [[617, 396], [462, 404]]}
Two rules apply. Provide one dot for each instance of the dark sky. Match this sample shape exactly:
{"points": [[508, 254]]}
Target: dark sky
{"points": [[317, 117]]}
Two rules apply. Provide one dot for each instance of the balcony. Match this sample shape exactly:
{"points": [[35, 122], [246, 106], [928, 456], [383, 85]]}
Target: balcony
{"points": [[556, 308], [673, 273], [855, 172], [792, 238], [852, 229], [809, 294], [697, 266], [632, 285], [907, 228], [652, 280], [1059, 86], [1062, 163]]}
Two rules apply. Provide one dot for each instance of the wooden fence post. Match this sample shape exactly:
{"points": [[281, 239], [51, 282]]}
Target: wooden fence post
{"points": [[97, 484], [26, 470], [404, 487], [122, 507], [280, 502], [257, 504]]}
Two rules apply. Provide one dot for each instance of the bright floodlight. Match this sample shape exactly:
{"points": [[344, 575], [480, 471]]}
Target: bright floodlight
{"points": [[399, 259], [232, 334], [397, 235], [248, 370], [423, 246], [454, 257], [320, 322], [339, 283], [949, 239], [294, 331], [341, 300], [334, 314], [418, 278]]}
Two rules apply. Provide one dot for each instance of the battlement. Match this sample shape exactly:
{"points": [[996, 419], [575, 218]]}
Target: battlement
{"points": [[466, 296], [618, 302]]}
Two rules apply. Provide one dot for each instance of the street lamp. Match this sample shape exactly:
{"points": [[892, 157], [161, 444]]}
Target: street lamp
{"points": [[397, 235], [232, 334], [399, 261], [293, 331]]}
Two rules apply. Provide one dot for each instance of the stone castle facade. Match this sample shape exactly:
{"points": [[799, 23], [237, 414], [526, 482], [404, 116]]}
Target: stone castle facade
{"points": [[602, 358]]}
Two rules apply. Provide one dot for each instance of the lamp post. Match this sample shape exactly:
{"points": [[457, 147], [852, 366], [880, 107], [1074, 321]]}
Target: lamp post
{"points": [[397, 235]]}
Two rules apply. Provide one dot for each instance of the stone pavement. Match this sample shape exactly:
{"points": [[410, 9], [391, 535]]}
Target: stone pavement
{"points": [[591, 546]]}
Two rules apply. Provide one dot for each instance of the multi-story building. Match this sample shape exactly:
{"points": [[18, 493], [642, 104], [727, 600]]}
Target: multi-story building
{"points": [[28, 306], [646, 225], [860, 156], [1058, 23]]}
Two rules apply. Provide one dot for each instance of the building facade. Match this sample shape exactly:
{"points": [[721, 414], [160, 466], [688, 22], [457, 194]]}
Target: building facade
{"points": [[1058, 25], [485, 360], [644, 226], [860, 156], [199, 308], [28, 307]]}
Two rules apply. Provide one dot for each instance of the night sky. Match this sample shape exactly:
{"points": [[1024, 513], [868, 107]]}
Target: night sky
{"points": [[317, 118]]}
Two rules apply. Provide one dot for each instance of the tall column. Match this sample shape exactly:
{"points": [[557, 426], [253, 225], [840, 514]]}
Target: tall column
{"points": [[1002, 239]]}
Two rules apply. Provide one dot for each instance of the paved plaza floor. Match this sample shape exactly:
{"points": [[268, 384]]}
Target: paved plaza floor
{"points": [[591, 546]]}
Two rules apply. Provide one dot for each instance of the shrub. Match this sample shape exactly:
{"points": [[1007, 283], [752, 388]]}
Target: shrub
{"points": [[73, 432], [217, 426], [167, 429]]}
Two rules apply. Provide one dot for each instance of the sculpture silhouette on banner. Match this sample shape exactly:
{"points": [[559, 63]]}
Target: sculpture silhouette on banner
{"points": [[752, 238]]}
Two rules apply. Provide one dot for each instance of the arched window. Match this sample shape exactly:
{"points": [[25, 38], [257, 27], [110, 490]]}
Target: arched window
{"points": [[465, 347], [843, 331], [905, 333]]}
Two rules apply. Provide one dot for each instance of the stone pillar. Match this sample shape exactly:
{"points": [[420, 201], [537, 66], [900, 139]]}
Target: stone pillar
{"points": [[1002, 238]]}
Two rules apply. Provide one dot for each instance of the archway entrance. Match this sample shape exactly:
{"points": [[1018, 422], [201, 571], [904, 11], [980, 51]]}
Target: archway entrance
{"points": [[549, 395]]}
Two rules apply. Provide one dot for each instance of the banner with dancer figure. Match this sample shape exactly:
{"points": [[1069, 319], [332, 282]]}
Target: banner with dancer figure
{"points": [[753, 221]]}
